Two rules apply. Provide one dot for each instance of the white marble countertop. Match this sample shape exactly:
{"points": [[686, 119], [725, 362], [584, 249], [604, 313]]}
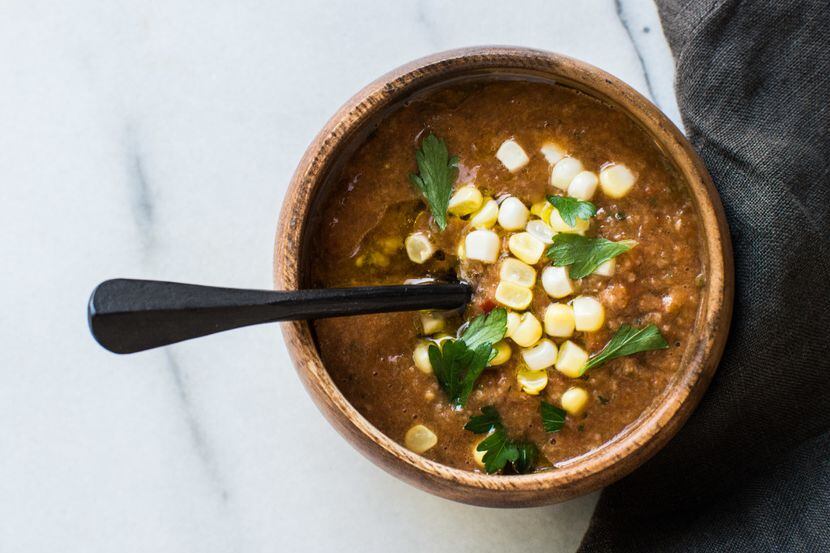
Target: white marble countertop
{"points": [[155, 140]]}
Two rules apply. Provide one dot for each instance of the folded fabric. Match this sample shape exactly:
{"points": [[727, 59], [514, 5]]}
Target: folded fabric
{"points": [[750, 471]]}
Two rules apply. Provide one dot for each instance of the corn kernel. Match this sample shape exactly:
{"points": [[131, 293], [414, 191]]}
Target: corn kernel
{"points": [[512, 156], [589, 314], [526, 247], [513, 214], [440, 339], [503, 354], [556, 282], [583, 186], [571, 359], [487, 216], [532, 382], [431, 322], [513, 296], [478, 456], [512, 322], [540, 230], [559, 225], [517, 272], [465, 200], [461, 251], [541, 356], [542, 210], [559, 320], [419, 438], [616, 180], [419, 248], [607, 268], [552, 152], [390, 244], [420, 356], [574, 401], [482, 245], [564, 171], [528, 331]]}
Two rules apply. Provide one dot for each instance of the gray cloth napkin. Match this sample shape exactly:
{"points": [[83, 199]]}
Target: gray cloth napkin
{"points": [[750, 471]]}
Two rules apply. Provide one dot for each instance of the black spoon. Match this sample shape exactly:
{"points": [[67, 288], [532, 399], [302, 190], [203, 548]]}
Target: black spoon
{"points": [[126, 316]]}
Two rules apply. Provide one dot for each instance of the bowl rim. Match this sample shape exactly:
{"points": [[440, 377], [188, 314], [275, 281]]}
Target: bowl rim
{"points": [[636, 443]]}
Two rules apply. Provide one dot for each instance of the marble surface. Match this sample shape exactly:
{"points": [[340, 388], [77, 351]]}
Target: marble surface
{"points": [[155, 140]]}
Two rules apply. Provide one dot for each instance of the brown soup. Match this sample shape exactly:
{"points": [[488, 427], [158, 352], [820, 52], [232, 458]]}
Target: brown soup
{"points": [[359, 236]]}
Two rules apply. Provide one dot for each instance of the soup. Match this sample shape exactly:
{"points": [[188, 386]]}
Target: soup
{"points": [[581, 244]]}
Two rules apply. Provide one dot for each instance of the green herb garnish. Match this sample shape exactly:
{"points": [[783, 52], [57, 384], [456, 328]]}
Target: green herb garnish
{"points": [[628, 341], [553, 418], [571, 209], [498, 448], [457, 364], [437, 172], [583, 254]]}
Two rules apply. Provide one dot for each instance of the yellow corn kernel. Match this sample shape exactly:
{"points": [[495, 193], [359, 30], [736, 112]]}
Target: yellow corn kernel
{"points": [[541, 356], [360, 260], [378, 259], [559, 320], [542, 210], [607, 268], [558, 225], [420, 356], [390, 244], [574, 401], [526, 247], [465, 200], [431, 322], [528, 331], [512, 323], [486, 216], [419, 438], [461, 251], [419, 248], [513, 296], [571, 359], [616, 180], [532, 382], [478, 456], [503, 354], [589, 314], [517, 272]]}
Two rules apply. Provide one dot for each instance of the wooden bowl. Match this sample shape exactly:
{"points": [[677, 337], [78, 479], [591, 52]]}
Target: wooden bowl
{"points": [[640, 440]]}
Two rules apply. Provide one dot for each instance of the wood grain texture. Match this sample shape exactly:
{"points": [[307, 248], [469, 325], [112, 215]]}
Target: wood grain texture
{"points": [[655, 426]]}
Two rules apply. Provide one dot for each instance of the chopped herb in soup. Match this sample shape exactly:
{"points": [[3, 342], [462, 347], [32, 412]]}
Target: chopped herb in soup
{"points": [[581, 244]]}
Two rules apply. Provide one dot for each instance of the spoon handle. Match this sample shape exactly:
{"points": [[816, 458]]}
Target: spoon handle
{"points": [[127, 316]]}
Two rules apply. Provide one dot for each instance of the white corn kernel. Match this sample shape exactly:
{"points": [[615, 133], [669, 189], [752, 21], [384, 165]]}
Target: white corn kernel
{"points": [[465, 200], [419, 248], [552, 152], [513, 296], [589, 314], [513, 319], [487, 216], [431, 322], [540, 230], [503, 354], [512, 156], [564, 171], [574, 401], [571, 359], [541, 356], [556, 282], [528, 331], [559, 225], [559, 320], [513, 214], [607, 268], [526, 247], [532, 382], [583, 186], [420, 356], [616, 180], [482, 245], [517, 272], [419, 438]]}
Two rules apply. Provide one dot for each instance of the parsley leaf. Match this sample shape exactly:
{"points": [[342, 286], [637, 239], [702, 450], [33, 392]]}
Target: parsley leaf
{"points": [[572, 208], [628, 341], [488, 328], [457, 367], [553, 418], [437, 172], [498, 448], [583, 254]]}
